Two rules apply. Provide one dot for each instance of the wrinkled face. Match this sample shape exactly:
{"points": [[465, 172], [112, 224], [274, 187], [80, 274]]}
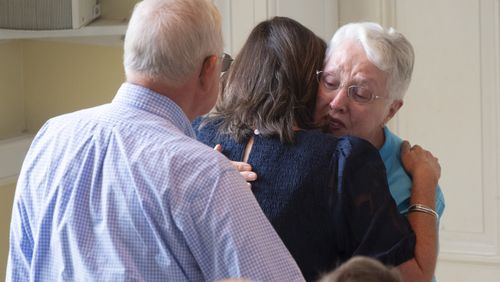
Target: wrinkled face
{"points": [[340, 114]]}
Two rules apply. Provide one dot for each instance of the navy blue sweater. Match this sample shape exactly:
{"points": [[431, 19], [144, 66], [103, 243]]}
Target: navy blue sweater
{"points": [[326, 197]]}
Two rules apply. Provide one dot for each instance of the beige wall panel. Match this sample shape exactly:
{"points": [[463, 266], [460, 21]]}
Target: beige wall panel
{"points": [[68, 77], [318, 15], [238, 19], [467, 272], [224, 7], [359, 10], [6, 197], [443, 104], [453, 108], [117, 9], [12, 121]]}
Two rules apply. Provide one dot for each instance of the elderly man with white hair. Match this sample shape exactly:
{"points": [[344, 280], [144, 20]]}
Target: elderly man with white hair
{"points": [[124, 192]]}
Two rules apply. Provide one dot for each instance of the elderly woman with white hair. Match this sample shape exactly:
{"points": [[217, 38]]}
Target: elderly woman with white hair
{"points": [[367, 70]]}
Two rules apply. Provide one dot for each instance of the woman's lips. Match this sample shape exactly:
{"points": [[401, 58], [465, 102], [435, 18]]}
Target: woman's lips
{"points": [[336, 124]]}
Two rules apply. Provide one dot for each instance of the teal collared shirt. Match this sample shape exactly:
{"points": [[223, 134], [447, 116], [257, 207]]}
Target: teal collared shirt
{"points": [[399, 181]]}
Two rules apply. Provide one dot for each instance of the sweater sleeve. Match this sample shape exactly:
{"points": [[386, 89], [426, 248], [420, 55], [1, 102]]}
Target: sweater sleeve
{"points": [[368, 222]]}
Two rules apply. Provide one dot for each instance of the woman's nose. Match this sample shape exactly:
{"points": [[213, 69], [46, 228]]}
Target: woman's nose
{"points": [[339, 100]]}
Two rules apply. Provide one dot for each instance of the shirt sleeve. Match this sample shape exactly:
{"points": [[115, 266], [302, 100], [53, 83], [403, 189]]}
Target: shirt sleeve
{"points": [[439, 201], [229, 235], [368, 222]]}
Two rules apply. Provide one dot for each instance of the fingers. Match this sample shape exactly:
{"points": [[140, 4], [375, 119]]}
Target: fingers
{"points": [[241, 166], [218, 148], [249, 175], [405, 147], [244, 168], [418, 149], [416, 159], [246, 171]]}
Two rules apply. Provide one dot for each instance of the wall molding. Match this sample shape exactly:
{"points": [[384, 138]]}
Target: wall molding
{"points": [[388, 13]]}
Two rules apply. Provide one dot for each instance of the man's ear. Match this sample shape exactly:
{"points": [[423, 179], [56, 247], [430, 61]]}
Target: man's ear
{"points": [[393, 109], [208, 70]]}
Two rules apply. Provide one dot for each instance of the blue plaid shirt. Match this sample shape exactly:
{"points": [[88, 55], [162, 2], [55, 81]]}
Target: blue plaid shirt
{"points": [[122, 192]]}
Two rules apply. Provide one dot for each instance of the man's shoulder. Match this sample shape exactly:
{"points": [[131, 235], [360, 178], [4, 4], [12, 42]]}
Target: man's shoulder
{"points": [[194, 167], [186, 150], [79, 115], [197, 151]]}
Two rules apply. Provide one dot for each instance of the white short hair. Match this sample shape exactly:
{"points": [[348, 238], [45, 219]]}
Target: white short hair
{"points": [[168, 40], [387, 49]]}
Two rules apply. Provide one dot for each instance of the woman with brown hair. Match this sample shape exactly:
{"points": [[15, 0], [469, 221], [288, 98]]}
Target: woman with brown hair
{"points": [[326, 197]]}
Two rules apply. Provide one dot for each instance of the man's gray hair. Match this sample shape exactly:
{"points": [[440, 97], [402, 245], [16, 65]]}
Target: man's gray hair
{"points": [[168, 40], [387, 49]]}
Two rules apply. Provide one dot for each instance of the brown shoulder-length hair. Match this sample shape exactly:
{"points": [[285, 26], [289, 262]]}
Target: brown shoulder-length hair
{"points": [[271, 85]]}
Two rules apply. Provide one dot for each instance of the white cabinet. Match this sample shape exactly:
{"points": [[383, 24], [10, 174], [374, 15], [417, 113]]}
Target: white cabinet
{"points": [[239, 17], [100, 27], [110, 27]]}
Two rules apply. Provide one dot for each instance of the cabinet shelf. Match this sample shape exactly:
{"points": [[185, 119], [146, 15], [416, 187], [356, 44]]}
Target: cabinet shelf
{"points": [[98, 28]]}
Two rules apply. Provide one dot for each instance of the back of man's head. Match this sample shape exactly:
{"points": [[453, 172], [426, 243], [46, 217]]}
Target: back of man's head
{"points": [[362, 269], [168, 40]]}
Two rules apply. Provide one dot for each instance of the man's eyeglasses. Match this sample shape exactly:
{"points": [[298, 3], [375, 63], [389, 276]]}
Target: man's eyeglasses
{"points": [[359, 94], [226, 60]]}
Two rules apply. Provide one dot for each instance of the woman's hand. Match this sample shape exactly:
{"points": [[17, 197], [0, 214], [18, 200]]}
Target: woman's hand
{"points": [[419, 162]]}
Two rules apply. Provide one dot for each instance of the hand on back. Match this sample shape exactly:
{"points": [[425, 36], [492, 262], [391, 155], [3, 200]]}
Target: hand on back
{"points": [[244, 168], [418, 161]]}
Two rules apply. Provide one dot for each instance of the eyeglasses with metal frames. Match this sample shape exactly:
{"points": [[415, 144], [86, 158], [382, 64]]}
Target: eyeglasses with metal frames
{"points": [[226, 60], [359, 94]]}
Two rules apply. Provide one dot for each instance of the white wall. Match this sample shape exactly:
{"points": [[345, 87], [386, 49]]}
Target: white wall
{"points": [[457, 87], [240, 16]]}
